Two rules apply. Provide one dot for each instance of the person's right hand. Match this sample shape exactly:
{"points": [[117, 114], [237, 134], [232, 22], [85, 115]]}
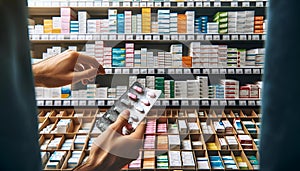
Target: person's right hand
{"points": [[112, 150], [66, 68]]}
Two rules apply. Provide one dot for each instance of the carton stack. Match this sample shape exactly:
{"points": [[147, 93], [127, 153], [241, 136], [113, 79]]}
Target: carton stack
{"points": [[182, 23], [146, 20]]}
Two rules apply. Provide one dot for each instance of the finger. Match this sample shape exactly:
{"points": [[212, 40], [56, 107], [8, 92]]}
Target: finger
{"points": [[84, 81], [139, 131], [87, 60], [121, 121], [92, 80], [86, 74]]}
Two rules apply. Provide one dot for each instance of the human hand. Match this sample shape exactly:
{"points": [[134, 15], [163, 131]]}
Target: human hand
{"points": [[66, 68], [112, 150]]}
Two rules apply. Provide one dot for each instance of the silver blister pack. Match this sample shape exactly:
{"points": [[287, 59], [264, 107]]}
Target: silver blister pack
{"points": [[137, 99]]}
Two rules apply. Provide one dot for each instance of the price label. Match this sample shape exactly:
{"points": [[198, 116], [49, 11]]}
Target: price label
{"points": [[174, 37], [180, 4], [234, 4], [81, 37], [48, 103], [57, 103], [143, 4], [256, 71], [157, 4], [89, 4], [66, 103], [135, 4], [74, 102], [206, 4], [226, 37], [116, 4], [198, 4], [160, 71], [214, 103], [206, 71], [136, 71], [196, 71], [251, 103], [217, 4], [156, 37], [205, 103], [150, 4], [129, 37], [96, 4], [184, 103], [223, 103], [248, 71], [215, 71], [151, 71], [112, 37], [82, 102], [139, 37], [108, 71], [171, 71], [89, 37], [255, 37], [44, 37], [175, 103], [216, 37], [166, 37], [101, 103], [187, 71], [230, 71], [110, 102], [167, 4], [242, 103], [190, 37], [239, 71], [200, 37], [195, 103], [125, 71], [104, 37], [190, 4], [263, 37], [165, 103], [121, 37], [259, 4], [178, 71], [246, 4], [91, 103], [53, 37], [143, 71], [118, 71], [231, 103], [73, 4], [249, 37], [234, 37], [127, 4], [262, 71], [258, 103], [40, 103], [208, 37], [223, 71], [267, 4], [181, 37], [81, 4], [243, 37], [35, 37], [157, 103], [148, 37]]}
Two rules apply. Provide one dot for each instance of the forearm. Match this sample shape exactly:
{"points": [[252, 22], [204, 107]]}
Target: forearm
{"points": [[37, 77]]}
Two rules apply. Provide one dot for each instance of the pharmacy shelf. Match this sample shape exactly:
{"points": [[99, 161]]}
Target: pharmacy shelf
{"points": [[77, 38], [96, 8], [41, 102], [196, 71]]}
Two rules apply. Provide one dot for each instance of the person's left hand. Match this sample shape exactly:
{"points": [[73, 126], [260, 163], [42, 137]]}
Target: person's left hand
{"points": [[66, 68], [112, 150]]}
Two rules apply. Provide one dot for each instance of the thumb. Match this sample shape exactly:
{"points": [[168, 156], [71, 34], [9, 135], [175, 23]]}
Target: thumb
{"points": [[86, 74], [121, 121]]}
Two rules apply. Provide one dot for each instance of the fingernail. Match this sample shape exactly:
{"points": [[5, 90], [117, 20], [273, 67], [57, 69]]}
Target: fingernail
{"points": [[126, 114]]}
